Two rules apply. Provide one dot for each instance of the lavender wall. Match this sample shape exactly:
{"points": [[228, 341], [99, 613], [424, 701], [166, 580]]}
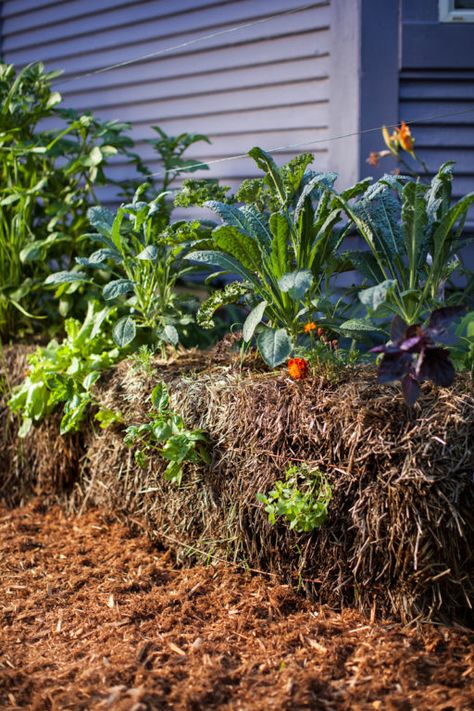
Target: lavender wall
{"points": [[267, 84]]}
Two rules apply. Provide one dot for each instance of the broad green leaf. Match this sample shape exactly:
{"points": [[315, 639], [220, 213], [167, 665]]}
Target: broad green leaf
{"points": [[316, 181], [414, 220], [357, 328], [296, 284], [115, 231], [375, 296], [241, 246], [357, 189], [443, 232], [97, 258], [160, 398], [54, 98], [377, 215], [274, 345], [150, 253], [273, 178], [170, 335], [115, 288], [102, 219], [26, 426], [219, 259], [252, 320], [65, 278], [10, 199], [229, 214], [94, 157], [365, 263], [280, 229], [257, 224], [124, 331]]}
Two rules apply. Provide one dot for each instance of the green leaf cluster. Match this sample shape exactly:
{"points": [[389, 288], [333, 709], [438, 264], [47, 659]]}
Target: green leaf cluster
{"points": [[302, 499], [135, 268], [413, 232], [166, 434], [281, 244], [48, 179], [64, 373]]}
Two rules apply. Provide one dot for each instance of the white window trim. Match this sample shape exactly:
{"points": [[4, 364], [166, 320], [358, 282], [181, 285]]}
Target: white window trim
{"points": [[447, 13]]}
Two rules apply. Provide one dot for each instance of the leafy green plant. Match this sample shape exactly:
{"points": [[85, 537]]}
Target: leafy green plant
{"points": [[141, 255], [462, 353], [64, 373], [302, 499], [48, 179], [281, 244], [136, 267], [413, 233], [166, 434]]}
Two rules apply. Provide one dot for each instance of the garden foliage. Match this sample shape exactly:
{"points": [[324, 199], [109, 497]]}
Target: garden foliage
{"points": [[276, 251], [281, 244], [51, 162], [166, 434], [64, 373]]}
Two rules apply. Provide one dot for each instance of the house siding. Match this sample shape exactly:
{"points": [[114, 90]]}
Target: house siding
{"points": [[437, 77], [265, 84]]}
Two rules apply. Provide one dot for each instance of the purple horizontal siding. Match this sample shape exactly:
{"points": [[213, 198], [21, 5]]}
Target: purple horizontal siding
{"points": [[265, 84]]}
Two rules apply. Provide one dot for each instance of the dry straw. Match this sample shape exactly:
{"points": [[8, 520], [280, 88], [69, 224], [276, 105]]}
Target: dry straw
{"points": [[400, 535]]}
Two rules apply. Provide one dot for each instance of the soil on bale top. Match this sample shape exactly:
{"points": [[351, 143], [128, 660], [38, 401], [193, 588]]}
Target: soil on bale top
{"points": [[94, 617]]}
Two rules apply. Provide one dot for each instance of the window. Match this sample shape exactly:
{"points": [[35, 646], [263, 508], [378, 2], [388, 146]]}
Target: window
{"points": [[456, 10]]}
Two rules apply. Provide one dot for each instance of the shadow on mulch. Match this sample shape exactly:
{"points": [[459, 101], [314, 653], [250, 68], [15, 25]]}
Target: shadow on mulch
{"points": [[94, 617]]}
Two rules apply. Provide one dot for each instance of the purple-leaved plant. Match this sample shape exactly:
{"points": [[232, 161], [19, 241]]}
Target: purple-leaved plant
{"points": [[413, 356]]}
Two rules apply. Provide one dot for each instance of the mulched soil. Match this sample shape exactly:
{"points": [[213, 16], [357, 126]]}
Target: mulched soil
{"points": [[93, 617]]}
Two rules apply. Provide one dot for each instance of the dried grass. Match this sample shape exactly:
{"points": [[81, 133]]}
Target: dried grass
{"points": [[400, 535]]}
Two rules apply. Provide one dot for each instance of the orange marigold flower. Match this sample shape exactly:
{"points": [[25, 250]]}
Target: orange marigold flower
{"points": [[311, 326], [298, 368], [405, 138]]}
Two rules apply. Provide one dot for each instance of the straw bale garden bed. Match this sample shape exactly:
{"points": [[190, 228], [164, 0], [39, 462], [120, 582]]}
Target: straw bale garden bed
{"points": [[226, 481]]}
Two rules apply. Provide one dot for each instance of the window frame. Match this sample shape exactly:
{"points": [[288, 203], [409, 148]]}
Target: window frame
{"points": [[448, 13]]}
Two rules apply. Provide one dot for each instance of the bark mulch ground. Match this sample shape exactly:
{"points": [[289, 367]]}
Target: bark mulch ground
{"points": [[93, 617]]}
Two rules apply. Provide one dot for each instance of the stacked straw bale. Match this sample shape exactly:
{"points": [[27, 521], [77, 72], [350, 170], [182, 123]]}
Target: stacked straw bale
{"points": [[400, 536]]}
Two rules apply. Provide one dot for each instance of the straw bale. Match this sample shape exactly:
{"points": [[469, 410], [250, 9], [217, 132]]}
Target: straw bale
{"points": [[400, 534], [44, 462]]}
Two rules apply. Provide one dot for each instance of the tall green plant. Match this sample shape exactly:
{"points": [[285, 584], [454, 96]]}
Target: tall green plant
{"points": [[281, 244], [48, 179], [136, 268], [413, 233]]}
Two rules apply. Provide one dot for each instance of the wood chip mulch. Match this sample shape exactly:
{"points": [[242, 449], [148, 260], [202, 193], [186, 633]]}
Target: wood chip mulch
{"points": [[93, 617]]}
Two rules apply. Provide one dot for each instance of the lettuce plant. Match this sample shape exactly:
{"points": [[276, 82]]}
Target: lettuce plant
{"points": [[413, 233], [63, 373], [281, 245]]}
